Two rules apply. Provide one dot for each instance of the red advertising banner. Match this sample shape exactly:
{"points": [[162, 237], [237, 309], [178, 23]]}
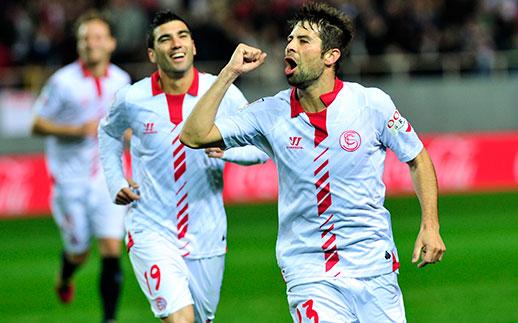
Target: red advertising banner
{"points": [[464, 162]]}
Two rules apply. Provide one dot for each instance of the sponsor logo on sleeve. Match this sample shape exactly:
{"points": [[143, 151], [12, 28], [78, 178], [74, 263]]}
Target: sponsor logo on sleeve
{"points": [[350, 140], [398, 124]]}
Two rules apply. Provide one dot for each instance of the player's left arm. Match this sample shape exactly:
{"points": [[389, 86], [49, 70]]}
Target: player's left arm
{"points": [[429, 246]]}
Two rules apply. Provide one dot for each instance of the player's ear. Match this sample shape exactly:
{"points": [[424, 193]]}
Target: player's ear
{"points": [[151, 55], [113, 44], [332, 56], [193, 48]]}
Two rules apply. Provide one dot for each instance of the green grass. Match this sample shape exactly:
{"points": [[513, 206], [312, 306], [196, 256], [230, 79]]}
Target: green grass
{"points": [[476, 282]]}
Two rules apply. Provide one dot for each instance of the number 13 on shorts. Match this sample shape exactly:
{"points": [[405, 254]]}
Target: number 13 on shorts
{"points": [[306, 312], [154, 275]]}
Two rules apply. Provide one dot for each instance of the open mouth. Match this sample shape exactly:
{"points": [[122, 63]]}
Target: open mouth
{"points": [[178, 56], [290, 66]]}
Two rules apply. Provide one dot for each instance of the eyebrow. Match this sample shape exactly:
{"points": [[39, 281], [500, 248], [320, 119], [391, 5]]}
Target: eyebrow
{"points": [[306, 37]]}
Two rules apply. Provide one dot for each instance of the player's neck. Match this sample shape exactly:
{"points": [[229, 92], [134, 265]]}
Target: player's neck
{"points": [[97, 69], [176, 84], [309, 97]]}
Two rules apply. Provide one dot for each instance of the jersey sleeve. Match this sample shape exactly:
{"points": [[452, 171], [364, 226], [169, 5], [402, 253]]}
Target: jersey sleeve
{"points": [[111, 143], [50, 101], [395, 132], [233, 103], [247, 127]]}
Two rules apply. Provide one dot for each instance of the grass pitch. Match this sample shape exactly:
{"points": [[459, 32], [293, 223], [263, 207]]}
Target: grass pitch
{"points": [[477, 281]]}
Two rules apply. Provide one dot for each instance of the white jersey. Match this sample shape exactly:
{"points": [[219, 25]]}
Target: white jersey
{"points": [[73, 96], [180, 188], [332, 221]]}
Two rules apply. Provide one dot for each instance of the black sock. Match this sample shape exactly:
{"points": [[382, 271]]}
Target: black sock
{"points": [[67, 269], [110, 285]]}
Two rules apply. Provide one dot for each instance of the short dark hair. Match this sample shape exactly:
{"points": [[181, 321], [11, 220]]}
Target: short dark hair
{"points": [[159, 19], [335, 27], [90, 15]]}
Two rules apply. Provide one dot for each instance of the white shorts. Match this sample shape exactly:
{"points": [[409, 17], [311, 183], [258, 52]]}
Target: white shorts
{"points": [[171, 282], [83, 210], [374, 299]]}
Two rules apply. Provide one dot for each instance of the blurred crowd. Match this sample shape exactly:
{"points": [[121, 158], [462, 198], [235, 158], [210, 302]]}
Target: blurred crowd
{"points": [[40, 31]]}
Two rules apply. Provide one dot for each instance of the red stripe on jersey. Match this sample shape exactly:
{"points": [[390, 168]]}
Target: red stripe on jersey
{"points": [[183, 221], [318, 120], [179, 172], [322, 180], [329, 242], [175, 104], [327, 220], [98, 86], [175, 140], [178, 150], [182, 233], [332, 261], [181, 200], [324, 205], [181, 188], [321, 167], [180, 159], [182, 210], [326, 231], [329, 253], [322, 153], [323, 192]]}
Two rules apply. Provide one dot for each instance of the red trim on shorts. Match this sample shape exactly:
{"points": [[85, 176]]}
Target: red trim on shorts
{"points": [[130, 242], [395, 262]]}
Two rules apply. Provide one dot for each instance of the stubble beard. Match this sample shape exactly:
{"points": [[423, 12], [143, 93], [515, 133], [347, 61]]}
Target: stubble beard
{"points": [[303, 79]]}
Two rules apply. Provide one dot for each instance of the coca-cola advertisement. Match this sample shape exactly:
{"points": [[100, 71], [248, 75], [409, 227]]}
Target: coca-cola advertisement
{"points": [[463, 162]]}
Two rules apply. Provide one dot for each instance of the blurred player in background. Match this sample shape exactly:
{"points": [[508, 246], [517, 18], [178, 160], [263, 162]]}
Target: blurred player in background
{"points": [[328, 139], [68, 112], [176, 228]]}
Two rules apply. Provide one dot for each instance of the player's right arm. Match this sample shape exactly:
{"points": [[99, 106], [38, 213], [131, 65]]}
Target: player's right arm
{"points": [[111, 146], [45, 127], [199, 129]]}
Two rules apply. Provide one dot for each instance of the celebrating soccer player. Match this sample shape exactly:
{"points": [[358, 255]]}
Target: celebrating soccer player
{"points": [[68, 112], [328, 139], [176, 228]]}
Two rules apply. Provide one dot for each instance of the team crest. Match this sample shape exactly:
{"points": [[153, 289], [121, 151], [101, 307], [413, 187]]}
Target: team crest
{"points": [[160, 303], [350, 140]]}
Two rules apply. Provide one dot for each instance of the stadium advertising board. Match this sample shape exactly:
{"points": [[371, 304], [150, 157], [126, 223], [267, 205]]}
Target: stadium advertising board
{"points": [[464, 163]]}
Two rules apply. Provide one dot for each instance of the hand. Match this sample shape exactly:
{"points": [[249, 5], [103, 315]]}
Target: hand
{"points": [[127, 194], [245, 59], [429, 247], [89, 129], [214, 152]]}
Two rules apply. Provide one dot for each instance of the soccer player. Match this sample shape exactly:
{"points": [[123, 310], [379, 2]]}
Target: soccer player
{"points": [[328, 139], [67, 112], [176, 228]]}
